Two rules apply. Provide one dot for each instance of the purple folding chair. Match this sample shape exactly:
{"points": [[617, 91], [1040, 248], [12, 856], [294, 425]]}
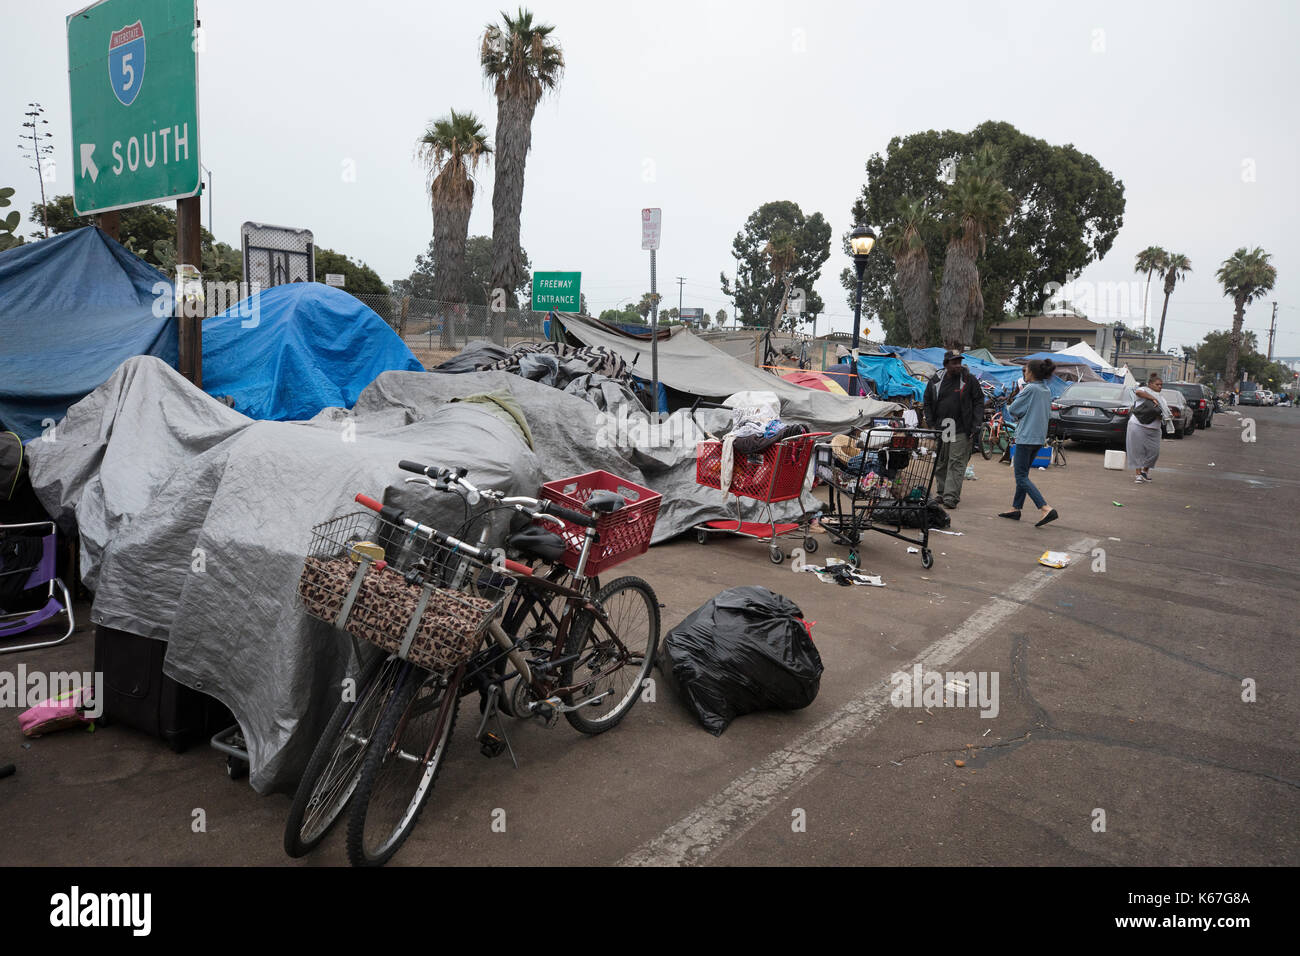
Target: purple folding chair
{"points": [[23, 569]]}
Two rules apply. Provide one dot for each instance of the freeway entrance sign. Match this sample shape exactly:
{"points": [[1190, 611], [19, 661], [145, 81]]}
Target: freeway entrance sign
{"points": [[133, 81], [557, 290]]}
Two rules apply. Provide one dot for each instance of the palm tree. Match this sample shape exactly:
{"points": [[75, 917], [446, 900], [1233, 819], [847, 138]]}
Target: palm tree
{"points": [[1149, 260], [521, 63], [1175, 267], [451, 148], [977, 204], [1245, 277], [781, 258], [904, 240]]}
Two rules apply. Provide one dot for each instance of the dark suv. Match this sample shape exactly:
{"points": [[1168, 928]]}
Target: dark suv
{"points": [[1200, 398]]}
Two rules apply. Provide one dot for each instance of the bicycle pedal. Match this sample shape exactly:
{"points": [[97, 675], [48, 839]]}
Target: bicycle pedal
{"points": [[492, 745]]}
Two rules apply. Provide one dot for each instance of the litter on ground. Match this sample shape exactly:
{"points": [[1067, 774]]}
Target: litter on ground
{"points": [[1054, 559]]}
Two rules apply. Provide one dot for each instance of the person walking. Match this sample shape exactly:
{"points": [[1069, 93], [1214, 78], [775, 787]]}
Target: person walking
{"points": [[1031, 410], [1142, 440], [954, 404]]}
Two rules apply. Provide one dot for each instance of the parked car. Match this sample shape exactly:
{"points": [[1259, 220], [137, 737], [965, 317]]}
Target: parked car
{"points": [[1092, 411], [1181, 410], [1200, 397], [1251, 395]]}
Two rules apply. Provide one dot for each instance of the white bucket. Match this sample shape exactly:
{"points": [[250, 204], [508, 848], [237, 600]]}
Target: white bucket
{"points": [[1115, 459]]}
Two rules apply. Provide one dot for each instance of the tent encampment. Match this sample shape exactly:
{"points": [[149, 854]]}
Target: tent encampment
{"points": [[72, 309], [689, 364], [292, 350]]}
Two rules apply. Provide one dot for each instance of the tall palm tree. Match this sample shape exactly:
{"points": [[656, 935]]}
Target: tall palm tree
{"points": [[521, 63], [1175, 267], [977, 204], [451, 149], [904, 240], [1149, 260], [781, 258], [1245, 276]]}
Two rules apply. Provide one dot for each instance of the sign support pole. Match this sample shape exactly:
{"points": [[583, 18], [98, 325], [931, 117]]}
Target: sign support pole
{"points": [[111, 223], [189, 252], [654, 341]]}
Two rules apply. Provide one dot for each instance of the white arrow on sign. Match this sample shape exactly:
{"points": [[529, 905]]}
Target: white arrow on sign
{"points": [[88, 161]]}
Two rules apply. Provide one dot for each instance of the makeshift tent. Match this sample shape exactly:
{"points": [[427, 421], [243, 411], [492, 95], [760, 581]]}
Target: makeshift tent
{"points": [[149, 468], [1107, 371], [818, 380], [286, 353], [1070, 367], [984, 355], [891, 377], [689, 364], [72, 309], [1002, 377]]}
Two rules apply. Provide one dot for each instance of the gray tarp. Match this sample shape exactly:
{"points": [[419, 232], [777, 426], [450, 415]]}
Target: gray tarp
{"points": [[689, 364], [195, 519]]}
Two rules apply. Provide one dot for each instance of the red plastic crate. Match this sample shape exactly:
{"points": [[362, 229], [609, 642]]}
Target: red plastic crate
{"points": [[777, 474], [622, 535]]}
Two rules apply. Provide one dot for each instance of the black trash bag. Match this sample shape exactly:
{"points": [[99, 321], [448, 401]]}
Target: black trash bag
{"points": [[746, 649]]}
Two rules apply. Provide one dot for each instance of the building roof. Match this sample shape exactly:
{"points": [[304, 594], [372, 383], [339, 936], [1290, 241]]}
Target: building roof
{"points": [[1053, 323]]}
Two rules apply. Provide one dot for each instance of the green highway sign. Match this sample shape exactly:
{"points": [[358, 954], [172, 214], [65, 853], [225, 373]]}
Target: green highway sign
{"points": [[133, 80], [557, 290]]}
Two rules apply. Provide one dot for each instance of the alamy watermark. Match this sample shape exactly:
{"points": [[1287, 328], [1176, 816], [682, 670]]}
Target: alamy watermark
{"points": [[26, 689], [922, 688]]}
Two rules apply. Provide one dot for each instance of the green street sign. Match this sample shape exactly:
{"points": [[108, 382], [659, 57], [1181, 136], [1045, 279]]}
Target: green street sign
{"points": [[557, 290], [133, 80]]}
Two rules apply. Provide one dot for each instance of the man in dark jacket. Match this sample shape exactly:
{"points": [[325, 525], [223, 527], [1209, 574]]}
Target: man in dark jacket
{"points": [[954, 404]]}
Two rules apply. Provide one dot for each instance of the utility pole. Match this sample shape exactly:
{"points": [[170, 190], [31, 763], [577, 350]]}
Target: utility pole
{"points": [[1272, 330], [681, 280]]}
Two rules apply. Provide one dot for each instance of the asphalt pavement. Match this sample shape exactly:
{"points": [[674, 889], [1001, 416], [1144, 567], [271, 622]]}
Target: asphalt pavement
{"points": [[1145, 710]]}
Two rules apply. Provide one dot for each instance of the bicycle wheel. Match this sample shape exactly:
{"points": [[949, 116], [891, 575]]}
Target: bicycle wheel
{"points": [[633, 612], [985, 442], [335, 764], [396, 779]]}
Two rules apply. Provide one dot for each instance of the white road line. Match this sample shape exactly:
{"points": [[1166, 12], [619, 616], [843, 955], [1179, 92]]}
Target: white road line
{"points": [[744, 801]]}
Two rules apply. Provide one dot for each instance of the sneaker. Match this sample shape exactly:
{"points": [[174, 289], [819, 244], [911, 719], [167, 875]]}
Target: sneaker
{"points": [[1142, 480]]}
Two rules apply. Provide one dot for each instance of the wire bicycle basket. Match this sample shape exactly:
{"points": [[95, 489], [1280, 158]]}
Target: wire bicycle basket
{"points": [[399, 589]]}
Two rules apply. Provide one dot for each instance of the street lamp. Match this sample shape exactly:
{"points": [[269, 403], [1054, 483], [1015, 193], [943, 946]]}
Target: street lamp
{"points": [[861, 240]]}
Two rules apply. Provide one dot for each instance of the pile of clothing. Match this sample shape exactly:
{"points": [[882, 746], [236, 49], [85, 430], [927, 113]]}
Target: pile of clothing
{"points": [[755, 427]]}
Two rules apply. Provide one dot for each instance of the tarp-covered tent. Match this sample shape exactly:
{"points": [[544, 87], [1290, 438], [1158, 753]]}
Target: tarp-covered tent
{"points": [[984, 355], [1071, 367], [286, 353], [1001, 376], [72, 309], [891, 376], [150, 468], [818, 380], [1107, 371], [689, 364]]}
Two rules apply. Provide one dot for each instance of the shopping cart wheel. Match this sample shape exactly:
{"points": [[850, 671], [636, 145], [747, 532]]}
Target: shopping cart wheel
{"points": [[702, 537], [810, 545], [776, 555], [927, 558], [236, 769], [853, 559]]}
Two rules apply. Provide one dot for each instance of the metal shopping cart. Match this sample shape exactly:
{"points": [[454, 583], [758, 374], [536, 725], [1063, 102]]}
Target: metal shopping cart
{"points": [[773, 475], [884, 487]]}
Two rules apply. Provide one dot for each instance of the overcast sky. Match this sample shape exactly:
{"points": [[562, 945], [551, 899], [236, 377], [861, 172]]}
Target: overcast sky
{"points": [[710, 109]]}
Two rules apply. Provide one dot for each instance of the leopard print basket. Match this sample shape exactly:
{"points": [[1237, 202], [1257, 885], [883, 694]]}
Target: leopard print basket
{"points": [[449, 629]]}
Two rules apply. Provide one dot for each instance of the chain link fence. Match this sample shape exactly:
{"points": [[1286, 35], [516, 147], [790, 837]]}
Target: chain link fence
{"points": [[431, 326]]}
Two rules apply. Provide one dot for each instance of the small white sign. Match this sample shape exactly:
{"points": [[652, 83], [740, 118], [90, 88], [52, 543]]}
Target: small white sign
{"points": [[1058, 346], [651, 219], [335, 279]]}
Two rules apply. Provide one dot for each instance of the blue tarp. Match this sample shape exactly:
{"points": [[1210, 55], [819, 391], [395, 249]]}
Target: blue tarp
{"points": [[891, 377], [1002, 377], [1060, 359], [72, 309], [309, 346]]}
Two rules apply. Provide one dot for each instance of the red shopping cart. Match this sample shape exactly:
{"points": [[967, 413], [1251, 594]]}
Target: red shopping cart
{"points": [[773, 475]]}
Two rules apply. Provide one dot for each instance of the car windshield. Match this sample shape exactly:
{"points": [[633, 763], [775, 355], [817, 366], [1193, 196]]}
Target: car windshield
{"points": [[1094, 392]]}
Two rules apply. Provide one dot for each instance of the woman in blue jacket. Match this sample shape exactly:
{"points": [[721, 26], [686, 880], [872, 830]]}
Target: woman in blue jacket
{"points": [[1031, 410]]}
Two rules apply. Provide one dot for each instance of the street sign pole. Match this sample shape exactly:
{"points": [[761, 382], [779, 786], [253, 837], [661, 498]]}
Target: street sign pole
{"points": [[189, 319], [654, 341]]}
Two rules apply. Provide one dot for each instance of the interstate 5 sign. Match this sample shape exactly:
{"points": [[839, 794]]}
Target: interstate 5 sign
{"points": [[133, 82]]}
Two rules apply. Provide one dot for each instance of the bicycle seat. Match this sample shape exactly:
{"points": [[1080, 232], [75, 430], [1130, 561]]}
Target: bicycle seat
{"points": [[537, 542], [605, 502]]}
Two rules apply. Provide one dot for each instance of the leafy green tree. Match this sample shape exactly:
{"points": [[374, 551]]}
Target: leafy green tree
{"points": [[477, 283], [358, 278], [149, 232], [1149, 260], [1246, 275], [1067, 212], [521, 63], [720, 318], [761, 289], [624, 316], [451, 149], [1175, 267]]}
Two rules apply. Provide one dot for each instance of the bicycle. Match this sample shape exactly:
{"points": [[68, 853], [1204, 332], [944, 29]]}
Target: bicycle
{"points": [[995, 435], [1057, 444], [556, 642]]}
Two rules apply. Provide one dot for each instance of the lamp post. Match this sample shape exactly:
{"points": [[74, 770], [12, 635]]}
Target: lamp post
{"points": [[861, 241]]}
